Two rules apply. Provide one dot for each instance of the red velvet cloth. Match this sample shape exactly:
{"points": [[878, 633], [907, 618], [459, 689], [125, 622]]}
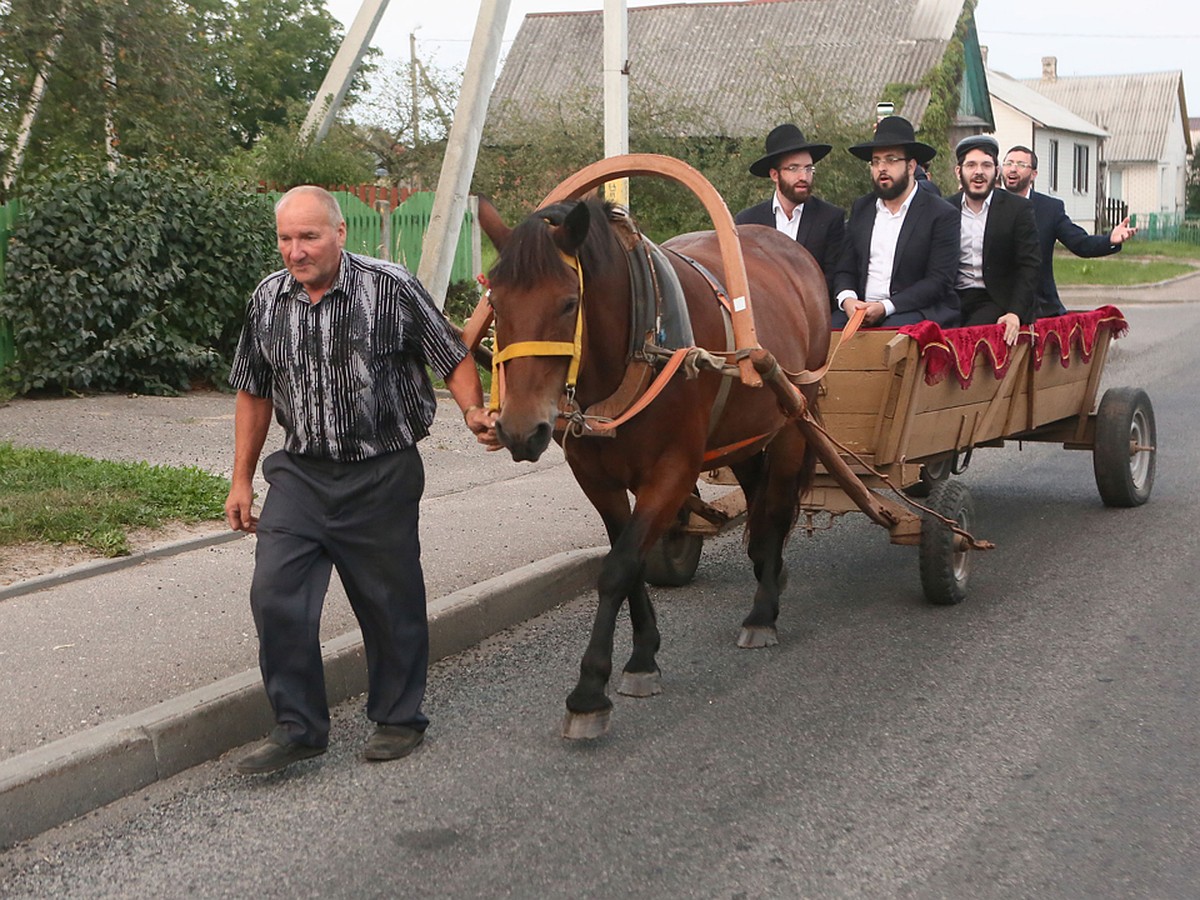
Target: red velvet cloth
{"points": [[955, 349]]}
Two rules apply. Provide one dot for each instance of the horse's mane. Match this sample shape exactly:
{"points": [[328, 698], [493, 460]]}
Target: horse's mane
{"points": [[530, 255]]}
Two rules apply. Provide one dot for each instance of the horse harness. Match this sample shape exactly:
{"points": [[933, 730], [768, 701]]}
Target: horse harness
{"points": [[660, 336]]}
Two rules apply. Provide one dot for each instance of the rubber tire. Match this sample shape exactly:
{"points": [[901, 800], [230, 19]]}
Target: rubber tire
{"points": [[1125, 418], [946, 573], [931, 473], [674, 558]]}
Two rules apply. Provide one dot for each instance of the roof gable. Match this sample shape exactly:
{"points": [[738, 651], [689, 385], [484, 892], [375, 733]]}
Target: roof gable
{"points": [[1136, 110], [1039, 108], [734, 60]]}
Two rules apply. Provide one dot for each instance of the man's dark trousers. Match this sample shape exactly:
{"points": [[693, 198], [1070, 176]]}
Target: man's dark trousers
{"points": [[361, 517]]}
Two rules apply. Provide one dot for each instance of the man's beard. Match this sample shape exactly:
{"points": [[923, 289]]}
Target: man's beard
{"points": [[795, 193], [1023, 181], [974, 193], [899, 187]]}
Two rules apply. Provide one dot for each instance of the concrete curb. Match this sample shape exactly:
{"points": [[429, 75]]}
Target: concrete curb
{"points": [[45, 787], [103, 566]]}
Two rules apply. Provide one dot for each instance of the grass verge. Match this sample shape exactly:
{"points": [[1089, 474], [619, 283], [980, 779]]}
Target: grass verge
{"points": [[63, 498], [1139, 262]]}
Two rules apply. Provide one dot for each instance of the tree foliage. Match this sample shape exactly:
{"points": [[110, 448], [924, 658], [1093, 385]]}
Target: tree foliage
{"points": [[171, 79], [409, 141], [132, 281], [561, 135]]}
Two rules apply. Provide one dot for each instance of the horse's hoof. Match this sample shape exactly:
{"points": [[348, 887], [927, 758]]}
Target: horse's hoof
{"points": [[585, 726], [640, 684], [755, 636]]}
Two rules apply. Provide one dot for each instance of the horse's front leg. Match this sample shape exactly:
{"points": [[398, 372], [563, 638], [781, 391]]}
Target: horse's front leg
{"points": [[588, 707]]}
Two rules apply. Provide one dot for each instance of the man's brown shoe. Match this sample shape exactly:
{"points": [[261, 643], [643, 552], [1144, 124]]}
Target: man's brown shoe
{"points": [[392, 742], [275, 753]]}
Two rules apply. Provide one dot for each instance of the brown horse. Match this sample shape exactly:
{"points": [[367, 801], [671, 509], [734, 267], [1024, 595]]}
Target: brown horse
{"points": [[569, 255]]}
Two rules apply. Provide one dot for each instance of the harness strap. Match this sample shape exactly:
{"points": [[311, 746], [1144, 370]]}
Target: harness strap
{"points": [[656, 387], [812, 377]]}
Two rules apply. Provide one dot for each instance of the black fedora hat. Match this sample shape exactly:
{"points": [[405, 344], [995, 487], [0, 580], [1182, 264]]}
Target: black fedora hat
{"points": [[895, 131], [785, 139]]}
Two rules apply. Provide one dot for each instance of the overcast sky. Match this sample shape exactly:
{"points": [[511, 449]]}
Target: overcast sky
{"points": [[1089, 37]]}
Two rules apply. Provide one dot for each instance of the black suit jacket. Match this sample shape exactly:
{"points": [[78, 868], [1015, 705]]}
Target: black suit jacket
{"points": [[926, 258], [822, 229], [1053, 224], [1011, 258]]}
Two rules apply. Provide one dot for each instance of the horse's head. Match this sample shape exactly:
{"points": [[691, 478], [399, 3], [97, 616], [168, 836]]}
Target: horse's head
{"points": [[535, 294]]}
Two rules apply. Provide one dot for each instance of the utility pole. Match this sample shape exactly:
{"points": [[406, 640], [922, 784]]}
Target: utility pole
{"points": [[616, 93], [414, 90], [325, 106], [462, 149]]}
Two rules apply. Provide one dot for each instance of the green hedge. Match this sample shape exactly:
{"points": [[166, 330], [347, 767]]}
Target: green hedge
{"points": [[135, 280]]}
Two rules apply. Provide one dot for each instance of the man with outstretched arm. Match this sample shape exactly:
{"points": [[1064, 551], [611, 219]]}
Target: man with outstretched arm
{"points": [[1053, 224]]}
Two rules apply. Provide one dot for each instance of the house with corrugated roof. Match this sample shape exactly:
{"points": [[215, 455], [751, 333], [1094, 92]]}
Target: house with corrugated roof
{"points": [[1145, 158], [1029, 119], [736, 62]]}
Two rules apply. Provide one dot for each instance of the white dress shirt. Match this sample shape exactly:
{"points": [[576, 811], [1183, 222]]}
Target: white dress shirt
{"points": [[789, 225], [970, 243], [884, 236]]}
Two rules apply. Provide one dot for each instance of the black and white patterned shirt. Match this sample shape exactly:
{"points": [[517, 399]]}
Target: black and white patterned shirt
{"points": [[346, 375]]}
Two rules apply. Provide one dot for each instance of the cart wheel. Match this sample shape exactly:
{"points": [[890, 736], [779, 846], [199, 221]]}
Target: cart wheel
{"points": [[946, 570], [1124, 423], [931, 473], [673, 559]]}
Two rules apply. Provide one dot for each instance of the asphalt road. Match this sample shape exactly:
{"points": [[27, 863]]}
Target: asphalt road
{"points": [[1037, 741]]}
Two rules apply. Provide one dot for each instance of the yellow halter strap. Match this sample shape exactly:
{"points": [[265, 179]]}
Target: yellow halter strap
{"points": [[573, 349]]}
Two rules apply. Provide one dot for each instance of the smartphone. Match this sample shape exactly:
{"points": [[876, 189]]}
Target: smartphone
{"points": [[882, 110]]}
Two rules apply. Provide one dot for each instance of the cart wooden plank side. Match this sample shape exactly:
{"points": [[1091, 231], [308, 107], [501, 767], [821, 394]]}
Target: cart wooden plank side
{"points": [[896, 428]]}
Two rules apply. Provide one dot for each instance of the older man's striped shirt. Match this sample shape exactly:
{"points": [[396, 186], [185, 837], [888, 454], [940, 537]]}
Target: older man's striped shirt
{"points": [[347, 375]]}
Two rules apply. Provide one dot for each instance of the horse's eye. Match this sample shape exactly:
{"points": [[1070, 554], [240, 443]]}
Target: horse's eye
{"points": [[570, 305]]}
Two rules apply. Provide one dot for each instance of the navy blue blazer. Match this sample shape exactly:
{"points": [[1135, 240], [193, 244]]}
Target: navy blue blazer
{"points": [[1053, 224], [1011, 259], [822, 229], [926, 261]]}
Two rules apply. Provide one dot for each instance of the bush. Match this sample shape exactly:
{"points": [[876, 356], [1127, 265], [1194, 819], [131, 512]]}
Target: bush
{"points": [[135, 280]]}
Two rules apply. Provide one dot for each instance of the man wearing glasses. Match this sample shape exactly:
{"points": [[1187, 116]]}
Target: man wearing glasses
{"points": [[790, 162], [999, 256], [900, 256], [1053, 224]]}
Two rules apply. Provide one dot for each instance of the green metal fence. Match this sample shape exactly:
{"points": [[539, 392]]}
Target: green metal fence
{"points": [[364, 227], [1166, 227], [410, 221], [9, 212]]}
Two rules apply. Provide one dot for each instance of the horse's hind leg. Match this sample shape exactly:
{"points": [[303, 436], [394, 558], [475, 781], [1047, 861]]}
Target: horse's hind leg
{"points": [[641, 677], [772, 512]]}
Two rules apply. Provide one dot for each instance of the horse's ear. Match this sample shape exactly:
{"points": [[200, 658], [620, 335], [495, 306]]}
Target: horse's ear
{"points": [[573, 231], [491, 223]]}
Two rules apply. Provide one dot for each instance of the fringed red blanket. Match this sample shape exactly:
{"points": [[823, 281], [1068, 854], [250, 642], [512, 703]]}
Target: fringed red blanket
{"points": [[955, 349]]}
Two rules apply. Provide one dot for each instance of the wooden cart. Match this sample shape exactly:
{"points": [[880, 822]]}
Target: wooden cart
{"points": [[895, 428]]}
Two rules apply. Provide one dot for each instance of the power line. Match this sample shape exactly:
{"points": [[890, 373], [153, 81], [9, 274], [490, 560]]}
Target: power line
{"points": [[1107, 37]]}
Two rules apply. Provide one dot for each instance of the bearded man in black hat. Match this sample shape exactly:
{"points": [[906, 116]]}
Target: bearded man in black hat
{"points": [[900, 256], [790, 162]]}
